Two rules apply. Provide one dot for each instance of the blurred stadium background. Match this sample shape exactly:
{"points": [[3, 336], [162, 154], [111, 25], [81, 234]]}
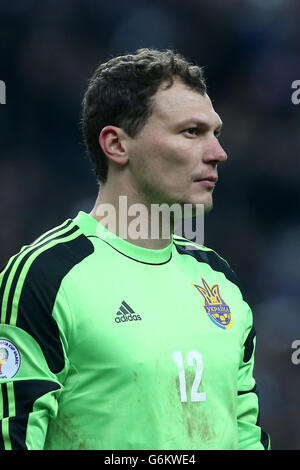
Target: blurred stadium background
{"points": [[250, 50]]}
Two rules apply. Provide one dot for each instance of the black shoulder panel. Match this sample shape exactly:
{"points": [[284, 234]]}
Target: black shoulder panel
{"points": [[211, 258], [39, 293]]}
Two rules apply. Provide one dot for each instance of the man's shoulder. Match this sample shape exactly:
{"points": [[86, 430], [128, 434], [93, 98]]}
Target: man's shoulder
{"points": [[204, 254], [51, 255], [30, 283], [201, 252]]}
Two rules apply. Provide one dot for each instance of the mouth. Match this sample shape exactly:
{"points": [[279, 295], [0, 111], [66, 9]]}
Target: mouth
{"points": [[207, 181]]}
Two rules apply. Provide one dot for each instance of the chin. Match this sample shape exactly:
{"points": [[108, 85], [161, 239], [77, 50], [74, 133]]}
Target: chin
{"points": [[208, 207], [206, 202], [195, 210]]}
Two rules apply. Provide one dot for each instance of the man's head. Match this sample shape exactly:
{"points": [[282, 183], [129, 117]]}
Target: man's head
{"points": [[149, 113], [121, 91]]}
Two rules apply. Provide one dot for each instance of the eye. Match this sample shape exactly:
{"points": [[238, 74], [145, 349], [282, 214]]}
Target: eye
{"points": [[192, 131]]}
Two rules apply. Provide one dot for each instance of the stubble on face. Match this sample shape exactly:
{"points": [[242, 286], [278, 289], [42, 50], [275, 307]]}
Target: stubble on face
{"points": [[165, 159]]}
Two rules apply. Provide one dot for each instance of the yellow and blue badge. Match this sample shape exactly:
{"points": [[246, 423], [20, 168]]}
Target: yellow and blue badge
{"points": [[216, 308]]}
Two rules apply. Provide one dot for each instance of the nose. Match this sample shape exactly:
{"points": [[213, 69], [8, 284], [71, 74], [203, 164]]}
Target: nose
{"points": [[215, 152]]}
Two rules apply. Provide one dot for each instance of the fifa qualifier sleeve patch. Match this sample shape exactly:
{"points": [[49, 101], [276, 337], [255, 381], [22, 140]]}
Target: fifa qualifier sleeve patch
{"points": [[10, 359]]}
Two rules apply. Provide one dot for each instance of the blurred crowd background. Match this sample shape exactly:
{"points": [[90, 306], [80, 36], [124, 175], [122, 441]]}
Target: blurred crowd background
{"points": [[250, 50]]}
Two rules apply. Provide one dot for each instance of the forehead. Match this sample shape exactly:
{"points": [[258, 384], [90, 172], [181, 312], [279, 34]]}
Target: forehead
{"points": [[180, 103]]}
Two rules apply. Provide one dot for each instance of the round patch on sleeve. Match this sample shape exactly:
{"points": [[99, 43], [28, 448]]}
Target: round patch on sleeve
{"points": [[10, 359]]}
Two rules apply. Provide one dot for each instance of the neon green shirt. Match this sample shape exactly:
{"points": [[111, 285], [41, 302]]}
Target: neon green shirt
{"points": [[107, 345]]}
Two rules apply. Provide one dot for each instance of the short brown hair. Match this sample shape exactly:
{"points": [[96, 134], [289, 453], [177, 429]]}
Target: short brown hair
{"points": [[120, 94]]}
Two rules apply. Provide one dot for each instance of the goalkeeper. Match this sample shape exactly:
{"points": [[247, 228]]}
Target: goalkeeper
{"points": [[123, 342]]}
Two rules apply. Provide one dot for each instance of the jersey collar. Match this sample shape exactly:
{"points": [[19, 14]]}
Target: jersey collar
{"points": [[92, 228]]}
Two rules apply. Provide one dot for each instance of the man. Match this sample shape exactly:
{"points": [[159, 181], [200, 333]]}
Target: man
{"points": [[132, 342]]}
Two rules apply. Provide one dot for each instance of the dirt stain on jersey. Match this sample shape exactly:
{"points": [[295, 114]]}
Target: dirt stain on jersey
{"points": [[63, 431], [199, 428]]}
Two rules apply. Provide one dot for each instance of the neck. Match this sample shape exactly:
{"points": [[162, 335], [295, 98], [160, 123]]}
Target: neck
{"points": [[128, 215]]}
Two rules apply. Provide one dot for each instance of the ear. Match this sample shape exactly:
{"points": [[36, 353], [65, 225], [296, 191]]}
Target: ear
{"points": [[111, 140]]}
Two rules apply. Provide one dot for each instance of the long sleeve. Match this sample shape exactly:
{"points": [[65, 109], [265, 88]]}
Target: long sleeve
{"points": [[34, 330], [251, 435], [32, 373]]}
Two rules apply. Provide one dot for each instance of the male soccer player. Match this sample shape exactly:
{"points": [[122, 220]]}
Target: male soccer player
{"points": [[111, 342]]}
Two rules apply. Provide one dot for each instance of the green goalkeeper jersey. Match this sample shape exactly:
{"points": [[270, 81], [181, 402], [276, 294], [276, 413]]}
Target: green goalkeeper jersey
{"points": [[108, 345]]}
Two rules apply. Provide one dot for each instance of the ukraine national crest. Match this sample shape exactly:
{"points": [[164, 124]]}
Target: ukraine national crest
{"points": [[216, 308]]}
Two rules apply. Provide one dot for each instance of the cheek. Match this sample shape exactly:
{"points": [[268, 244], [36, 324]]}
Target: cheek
{"points": [[163, 162], [171, 158]]}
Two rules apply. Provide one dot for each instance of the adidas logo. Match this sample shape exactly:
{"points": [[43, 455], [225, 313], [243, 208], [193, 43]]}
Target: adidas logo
{"points": [[125, 313]]}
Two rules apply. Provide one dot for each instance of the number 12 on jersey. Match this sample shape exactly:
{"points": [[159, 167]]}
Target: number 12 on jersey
{"points": [[191, 358]]}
